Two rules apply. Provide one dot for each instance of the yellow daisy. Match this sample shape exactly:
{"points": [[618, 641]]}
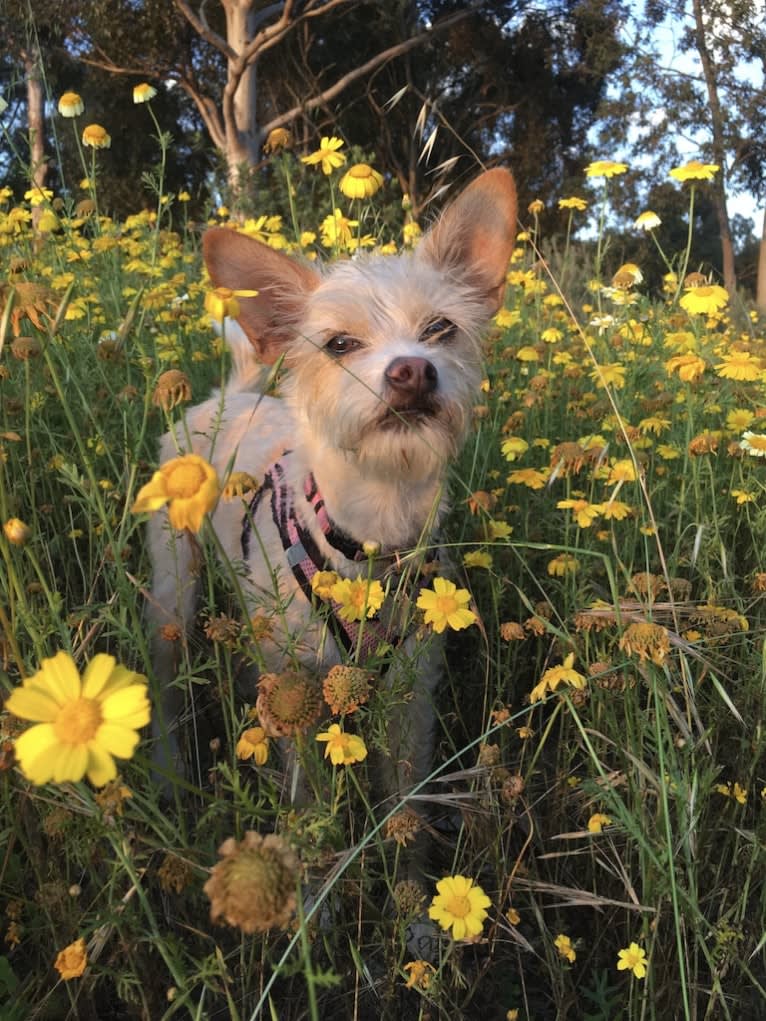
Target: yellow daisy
{"points": [[459, 905], [82, 722], [446, 606], [342, 749], [188, 485]]}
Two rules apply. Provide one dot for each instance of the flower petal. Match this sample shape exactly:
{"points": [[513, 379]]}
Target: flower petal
{"points": [[127, 707], [59, 676], [70, 764], [101, 767], [32, 704], [96, 675], [36, 749], [117, 740], [152, 496]]}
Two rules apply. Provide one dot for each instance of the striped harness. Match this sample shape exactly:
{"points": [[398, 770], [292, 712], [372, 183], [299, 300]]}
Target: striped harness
{"points": [[305, 558]]}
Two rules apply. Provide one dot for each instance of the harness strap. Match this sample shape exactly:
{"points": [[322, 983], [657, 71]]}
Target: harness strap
{"points": [[304, 557]]}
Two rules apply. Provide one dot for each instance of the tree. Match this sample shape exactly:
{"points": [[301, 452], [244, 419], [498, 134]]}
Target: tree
{"points": [[713, 99], [225, 46]]}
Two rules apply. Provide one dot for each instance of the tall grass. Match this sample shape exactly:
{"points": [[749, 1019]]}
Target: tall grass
{"points": [[627, 810]]}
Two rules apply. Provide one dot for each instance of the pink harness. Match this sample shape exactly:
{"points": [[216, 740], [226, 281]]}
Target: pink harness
{"points": [[359, 638]]}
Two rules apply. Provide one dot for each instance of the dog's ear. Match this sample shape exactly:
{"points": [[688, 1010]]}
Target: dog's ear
{"points": [[475, 235], [283, 284]]}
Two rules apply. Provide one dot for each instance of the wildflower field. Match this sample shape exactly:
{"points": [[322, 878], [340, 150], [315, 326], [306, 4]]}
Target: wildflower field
{"points": [[595, 812]]}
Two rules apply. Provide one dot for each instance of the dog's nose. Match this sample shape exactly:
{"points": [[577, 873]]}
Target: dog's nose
{"points": [[412, 377]]}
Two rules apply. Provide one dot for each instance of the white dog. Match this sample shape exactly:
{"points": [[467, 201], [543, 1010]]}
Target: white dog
{"points": [[383, 365]]}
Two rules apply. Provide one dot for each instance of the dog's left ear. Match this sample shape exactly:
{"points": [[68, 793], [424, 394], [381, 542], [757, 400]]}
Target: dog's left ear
{"points": [[476, 234]]}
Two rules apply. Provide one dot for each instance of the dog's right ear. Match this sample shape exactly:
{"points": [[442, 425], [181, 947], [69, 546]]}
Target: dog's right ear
{"points": [[241, 263]]}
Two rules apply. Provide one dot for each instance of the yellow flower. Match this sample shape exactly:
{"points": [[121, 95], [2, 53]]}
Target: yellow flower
{"points": [[753, 443], [459, 905], [633, 959], [420, 974], [695, 171], [583, 512], [562, 565], [532, 478], [358, 598], [72, 960], [322, 583], [82, 722], [564, 946], [616, 510], [739, 419], [552, 678], [478, 558], [327, 154], [143, 93], [647, 641], [513, 447], [704, 300], [360, 181], [623, 470], [446, 606], [647, 221], [688, 366], [16, 531], [221, 302], [253, 745], [605, 168], [278, 138], [71, 105], [96, 137], [336, 230], [740, 365], [342, 749], [742, 496], [188, 485], [612, 374], [573, 203], [597, 822]]}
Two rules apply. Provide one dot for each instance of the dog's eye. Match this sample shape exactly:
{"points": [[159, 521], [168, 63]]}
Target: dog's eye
{"points": [[439, 330], [341, 344]]}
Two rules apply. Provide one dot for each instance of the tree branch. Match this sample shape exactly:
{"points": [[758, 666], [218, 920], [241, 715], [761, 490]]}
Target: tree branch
{"points": [[359, 72]]}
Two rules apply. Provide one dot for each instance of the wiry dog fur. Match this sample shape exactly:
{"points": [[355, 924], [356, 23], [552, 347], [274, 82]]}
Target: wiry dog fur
{"points": [[384, 362]]}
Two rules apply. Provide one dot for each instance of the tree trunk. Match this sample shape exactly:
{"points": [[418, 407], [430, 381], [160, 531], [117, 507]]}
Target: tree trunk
{"points": [[719, 148], [38, 164], [760, 292], [239, 94]]}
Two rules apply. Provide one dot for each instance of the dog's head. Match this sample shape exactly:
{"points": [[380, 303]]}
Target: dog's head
{"points": [[383, 351]]}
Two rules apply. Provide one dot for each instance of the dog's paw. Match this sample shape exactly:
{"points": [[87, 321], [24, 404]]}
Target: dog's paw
{"points": [[423, 939]]}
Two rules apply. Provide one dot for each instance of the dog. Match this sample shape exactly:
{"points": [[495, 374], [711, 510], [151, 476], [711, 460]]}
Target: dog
{"points": [[382, 364]]}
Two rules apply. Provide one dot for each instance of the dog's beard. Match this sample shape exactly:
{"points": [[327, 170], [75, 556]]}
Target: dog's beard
{"points": [[410, 444]]}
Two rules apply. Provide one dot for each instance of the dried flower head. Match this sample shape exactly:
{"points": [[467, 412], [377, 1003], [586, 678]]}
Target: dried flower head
{"points": [[172, 388], [174, 874], [404, 826], [409, 898], [646, 584], [346, 688], [647, 641], [222, 629], [25, 348], [239, 484], [511, 631], [288, 703], [253, 887]]}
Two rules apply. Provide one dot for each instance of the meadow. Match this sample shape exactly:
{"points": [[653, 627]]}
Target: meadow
{"points": [[599, 776]]}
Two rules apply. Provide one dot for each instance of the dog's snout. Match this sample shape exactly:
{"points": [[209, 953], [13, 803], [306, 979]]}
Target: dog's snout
{"points": [[412, 377]]}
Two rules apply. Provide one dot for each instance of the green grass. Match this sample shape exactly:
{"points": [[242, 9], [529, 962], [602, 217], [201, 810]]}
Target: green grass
{"points": [[656, 746]]}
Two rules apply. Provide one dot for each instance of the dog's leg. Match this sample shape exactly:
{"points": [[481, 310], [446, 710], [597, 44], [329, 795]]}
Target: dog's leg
{"points": [[170, 611]]}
